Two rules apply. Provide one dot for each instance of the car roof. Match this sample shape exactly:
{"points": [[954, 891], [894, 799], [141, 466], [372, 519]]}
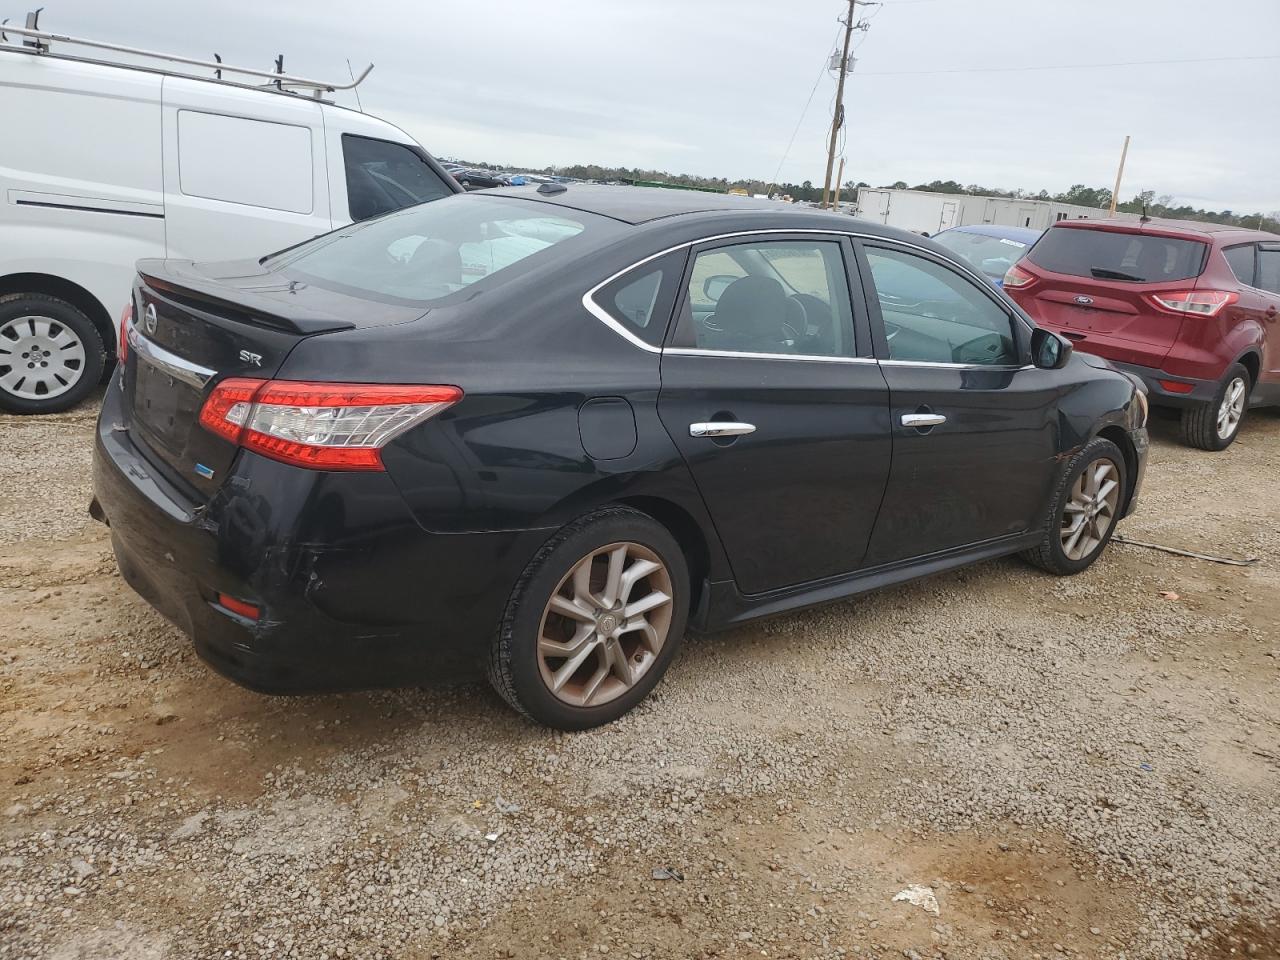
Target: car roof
{"points": [[1027, 234], [1195, 229], [637, 205], [992, 229]]}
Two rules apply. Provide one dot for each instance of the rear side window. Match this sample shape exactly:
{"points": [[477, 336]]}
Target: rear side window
{"points": [[642, 299], [384, 176], [428, 252], [1110, 255], [1241, 260], [252, 162], [1269, 269]]}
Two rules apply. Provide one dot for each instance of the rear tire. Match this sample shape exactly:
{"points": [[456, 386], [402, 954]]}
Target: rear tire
{"points": [[1216, 424], [51, 354], [611, 661], [1068, 549]]}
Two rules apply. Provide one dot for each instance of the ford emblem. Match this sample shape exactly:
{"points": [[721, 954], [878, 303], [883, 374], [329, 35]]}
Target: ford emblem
{"points": [[149, 319], [1084, 301]]}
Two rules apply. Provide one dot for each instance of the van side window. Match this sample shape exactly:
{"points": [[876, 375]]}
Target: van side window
{"points": [[384, 176], [252, 162]]}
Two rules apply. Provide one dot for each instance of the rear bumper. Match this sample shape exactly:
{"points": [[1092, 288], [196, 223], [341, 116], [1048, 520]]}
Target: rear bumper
{"points": [[353, 593], [1201, 391]]}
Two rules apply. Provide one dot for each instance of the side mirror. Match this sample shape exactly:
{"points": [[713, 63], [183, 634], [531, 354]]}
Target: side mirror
{"points": [[713, 288], [1048, 350]]}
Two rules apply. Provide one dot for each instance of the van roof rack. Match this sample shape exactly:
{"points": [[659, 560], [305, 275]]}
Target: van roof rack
{"points": [[39, 41]]}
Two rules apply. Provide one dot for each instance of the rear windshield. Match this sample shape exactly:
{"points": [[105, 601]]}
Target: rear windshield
{"points": [[992, 255], [1108, 255], [426, 253]]}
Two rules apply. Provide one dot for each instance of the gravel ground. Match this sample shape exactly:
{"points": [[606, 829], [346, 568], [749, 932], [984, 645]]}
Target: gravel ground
{"points": [[1086, 767]]}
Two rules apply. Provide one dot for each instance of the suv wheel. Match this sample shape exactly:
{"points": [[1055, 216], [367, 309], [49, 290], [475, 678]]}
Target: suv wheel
{"points": [[1084, 510], [51, 355], [593, 622], [1213, 425]]}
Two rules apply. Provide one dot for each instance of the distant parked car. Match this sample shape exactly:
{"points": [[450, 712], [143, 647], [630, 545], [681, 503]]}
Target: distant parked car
{"points": [[542, 429], [991, 249], [1190, 307], [479, 179]]}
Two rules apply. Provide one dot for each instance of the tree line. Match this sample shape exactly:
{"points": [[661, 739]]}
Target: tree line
{"points": [[1097, 197]]}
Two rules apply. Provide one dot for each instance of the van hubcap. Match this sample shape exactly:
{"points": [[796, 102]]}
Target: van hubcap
{"points": [[1091, 510], [605, 624], [1231, 411], [40, 358]]}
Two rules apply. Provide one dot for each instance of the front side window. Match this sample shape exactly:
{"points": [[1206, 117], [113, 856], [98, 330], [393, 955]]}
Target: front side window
{"points": [[786, 297], [384, 176], [935, 315], [1241, 260], [428, 252]]}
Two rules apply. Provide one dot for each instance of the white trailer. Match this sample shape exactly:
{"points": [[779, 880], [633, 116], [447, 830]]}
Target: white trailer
{"points": [[923, 212]]}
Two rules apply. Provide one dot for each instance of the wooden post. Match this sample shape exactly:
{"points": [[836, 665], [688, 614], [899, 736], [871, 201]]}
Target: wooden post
{"points": [[837, 121], [1115, 194], [839, 180]]}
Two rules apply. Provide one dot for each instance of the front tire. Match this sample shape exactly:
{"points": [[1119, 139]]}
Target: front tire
{"points": [[51, 354], [593, 621], [1083, 511], [1214, 425]]}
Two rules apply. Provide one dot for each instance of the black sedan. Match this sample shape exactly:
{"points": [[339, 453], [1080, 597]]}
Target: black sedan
{"points": [[479, 179], [545, 430]]}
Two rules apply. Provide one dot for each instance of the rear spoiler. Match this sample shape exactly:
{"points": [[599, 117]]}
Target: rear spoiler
{"points": [[184, 283]]}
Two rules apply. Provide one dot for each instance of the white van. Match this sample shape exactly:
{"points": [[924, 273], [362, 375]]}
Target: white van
{"points": [[102, 164]]}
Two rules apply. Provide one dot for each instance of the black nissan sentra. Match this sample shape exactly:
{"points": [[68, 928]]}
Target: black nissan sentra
{"points": [[544, 431]]}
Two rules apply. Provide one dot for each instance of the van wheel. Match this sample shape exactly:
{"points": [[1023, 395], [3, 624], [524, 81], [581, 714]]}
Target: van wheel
{"points": [[51, 354], [593, 622], [1214, 425]]}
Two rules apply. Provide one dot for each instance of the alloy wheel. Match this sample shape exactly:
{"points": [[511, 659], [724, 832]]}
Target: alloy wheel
{"points": [[1231, 410], [1091, 509], [605, 624], [40, 358]]}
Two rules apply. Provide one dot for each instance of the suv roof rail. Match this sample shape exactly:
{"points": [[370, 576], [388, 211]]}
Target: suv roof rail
{"points": [[39, 41]]}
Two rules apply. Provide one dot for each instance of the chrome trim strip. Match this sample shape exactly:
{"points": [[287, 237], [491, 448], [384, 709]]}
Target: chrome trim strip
{"points": [[1006, 367], [175, 366], [700, 352]]}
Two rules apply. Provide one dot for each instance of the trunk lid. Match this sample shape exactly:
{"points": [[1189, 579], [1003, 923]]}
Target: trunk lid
{"points": [[1092, 286], [195, 325]]}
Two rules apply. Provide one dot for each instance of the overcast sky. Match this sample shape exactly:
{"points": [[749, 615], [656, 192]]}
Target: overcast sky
{"points": [[715, 87]]}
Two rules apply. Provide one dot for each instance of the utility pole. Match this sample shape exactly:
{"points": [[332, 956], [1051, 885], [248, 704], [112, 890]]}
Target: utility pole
{"points": [[837, 120], [1115, 194]]}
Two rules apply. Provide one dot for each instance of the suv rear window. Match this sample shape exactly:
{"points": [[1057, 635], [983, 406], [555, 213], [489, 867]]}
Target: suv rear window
{"points": [[1108, 255]]}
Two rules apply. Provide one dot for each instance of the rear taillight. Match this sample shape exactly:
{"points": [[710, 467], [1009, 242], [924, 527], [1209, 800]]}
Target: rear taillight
{"points": [[1202, 303], [126, 318], [1016, 277], [325, 426]]}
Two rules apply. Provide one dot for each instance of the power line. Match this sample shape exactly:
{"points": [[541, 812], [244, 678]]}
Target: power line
{"points": [[821, 73], [1061, 66]]}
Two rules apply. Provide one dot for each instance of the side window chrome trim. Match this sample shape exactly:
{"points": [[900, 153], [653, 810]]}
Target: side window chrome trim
{"points": [[956, 366], [592, 307], [809, 357]]}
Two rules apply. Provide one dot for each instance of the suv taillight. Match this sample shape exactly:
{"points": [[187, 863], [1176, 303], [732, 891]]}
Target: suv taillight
{"points": [[1202, 303], [126, 318], [324, 426], [1016, 277]]}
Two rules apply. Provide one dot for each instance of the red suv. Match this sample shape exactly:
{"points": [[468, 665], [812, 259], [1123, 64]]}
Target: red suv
{"points": [[1189, 307]]}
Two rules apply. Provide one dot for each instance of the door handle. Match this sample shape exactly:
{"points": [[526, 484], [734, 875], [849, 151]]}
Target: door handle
{"points": [[721, 428], [923, 421]]}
